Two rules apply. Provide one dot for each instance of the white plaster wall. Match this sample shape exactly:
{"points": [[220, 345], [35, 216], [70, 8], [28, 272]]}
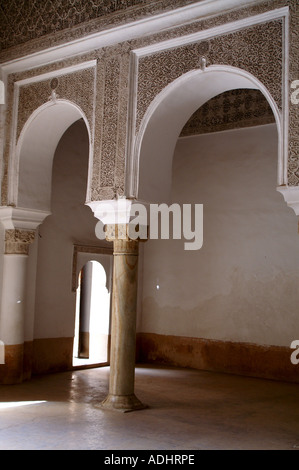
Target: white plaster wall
{"points": [[31, 291], [71, 223], [242, 285]]}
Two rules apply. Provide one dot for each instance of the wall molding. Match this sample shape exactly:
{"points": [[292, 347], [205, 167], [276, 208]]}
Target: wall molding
{"points": [[132, 28]]}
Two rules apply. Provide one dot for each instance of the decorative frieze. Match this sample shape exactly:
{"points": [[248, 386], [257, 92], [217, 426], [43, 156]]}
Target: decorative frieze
{"points": [[111, 122], [47, 24], [231, 110], [18, 241], [257, 49], [293, 156], [77, 87]]}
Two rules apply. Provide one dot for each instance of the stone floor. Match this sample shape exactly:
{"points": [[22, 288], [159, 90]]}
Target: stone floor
{"points": [[188, 410]]}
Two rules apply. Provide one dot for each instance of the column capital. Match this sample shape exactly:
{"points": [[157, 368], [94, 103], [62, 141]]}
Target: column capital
{"points": [[125, 235], [118, 217], [20, 225], [112, 212], [22, 219], [17, 241], [117, 232]]}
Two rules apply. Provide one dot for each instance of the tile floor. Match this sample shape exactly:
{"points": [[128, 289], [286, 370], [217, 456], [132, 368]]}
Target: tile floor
{"points": [[188, 410]]}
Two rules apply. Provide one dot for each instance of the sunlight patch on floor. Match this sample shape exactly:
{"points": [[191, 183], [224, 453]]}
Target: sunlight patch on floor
{"points": [[15, 404]]}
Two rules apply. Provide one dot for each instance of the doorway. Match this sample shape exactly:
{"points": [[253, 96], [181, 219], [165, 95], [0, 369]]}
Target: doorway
{"points": [[92, 323]]}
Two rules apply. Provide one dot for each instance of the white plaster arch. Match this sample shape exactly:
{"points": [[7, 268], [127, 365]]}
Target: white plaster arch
{"points": [[32, 172], [152, 152]]}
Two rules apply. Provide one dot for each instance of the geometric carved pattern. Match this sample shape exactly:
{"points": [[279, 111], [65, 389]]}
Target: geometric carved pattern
{"points": [[293, 158], [22, 20], [230, 110], [110, 122], [76, 87], [258, 50]]}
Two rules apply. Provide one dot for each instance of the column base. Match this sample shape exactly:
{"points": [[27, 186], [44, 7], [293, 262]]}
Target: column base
{"points": [[123, 403]]}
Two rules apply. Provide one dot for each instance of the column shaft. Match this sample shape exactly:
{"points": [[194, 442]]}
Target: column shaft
{"points": [[123, 337]]}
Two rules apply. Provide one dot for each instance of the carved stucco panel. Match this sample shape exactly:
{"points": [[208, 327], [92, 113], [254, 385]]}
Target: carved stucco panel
{"points": [[48, 23], [18, 241], [38, 29], [7, 138], [293, 163], [77, 87], [257, 50], [111, 123]]}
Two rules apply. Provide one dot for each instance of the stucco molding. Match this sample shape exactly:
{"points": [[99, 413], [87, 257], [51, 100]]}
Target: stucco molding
{"points": [[291, 197], [143, 20], [19, 218], [20, 228]]}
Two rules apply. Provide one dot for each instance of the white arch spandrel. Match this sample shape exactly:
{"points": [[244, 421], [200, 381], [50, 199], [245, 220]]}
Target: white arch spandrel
{"points": [[35, 152], [150, 179]]}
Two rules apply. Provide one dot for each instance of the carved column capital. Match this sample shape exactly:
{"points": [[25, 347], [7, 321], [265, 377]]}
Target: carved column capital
{"points": [[17, 241], [117, 232], [122, 243]]}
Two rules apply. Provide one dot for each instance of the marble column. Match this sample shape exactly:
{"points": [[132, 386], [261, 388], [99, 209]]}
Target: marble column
{"points": [[13, 303], [123, 335]]}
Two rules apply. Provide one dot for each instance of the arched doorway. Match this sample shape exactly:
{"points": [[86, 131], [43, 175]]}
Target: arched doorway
{"points": [[92, 327], [198, 304]]}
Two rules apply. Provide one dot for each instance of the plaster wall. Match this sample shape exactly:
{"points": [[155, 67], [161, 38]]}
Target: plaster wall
{"points": [[242, 285]]}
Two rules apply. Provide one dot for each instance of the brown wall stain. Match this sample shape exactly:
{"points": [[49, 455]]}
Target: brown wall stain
{"points": [[12, 371], [43, 356], [27, 360], [52, 355], [40, 356], [268, 362]]}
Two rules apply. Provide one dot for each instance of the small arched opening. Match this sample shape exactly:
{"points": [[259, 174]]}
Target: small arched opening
{"points": [[92, 326]]}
